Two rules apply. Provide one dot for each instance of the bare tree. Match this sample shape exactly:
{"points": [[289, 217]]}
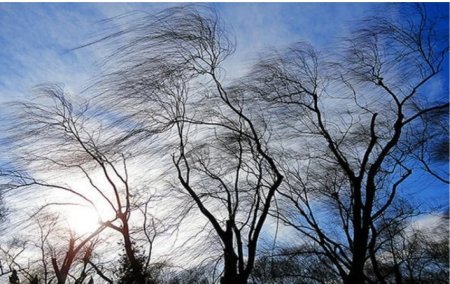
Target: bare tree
{"points": [[45, 228], [77, 147], [295, 264], [76, 250], [362, 120], [10, 258], [334, 136], [412, 254], [168, 81]]}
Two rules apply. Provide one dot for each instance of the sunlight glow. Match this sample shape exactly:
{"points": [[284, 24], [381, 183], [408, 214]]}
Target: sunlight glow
{"points": [[82, 220]]}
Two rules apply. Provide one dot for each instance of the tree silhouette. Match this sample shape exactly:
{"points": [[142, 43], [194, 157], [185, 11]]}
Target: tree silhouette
{"points": [[323, 141], [378, 120], [14, 278], [168, 81], [61, 122]]}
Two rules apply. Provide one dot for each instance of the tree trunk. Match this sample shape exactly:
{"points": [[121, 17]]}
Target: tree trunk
{"points": [[61, 273], [398, 274], [356, 274], [376, 268], [360, 237], [230, 273], [136, 266], [61, 278]]}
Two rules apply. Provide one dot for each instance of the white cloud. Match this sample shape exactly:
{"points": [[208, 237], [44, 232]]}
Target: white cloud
{"points": [[37, 38]]}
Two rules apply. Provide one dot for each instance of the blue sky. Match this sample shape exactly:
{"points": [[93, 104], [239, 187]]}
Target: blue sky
{"points": [[36, 38], [36, 42]]}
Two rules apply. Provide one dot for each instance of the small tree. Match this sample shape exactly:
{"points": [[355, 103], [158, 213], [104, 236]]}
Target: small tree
{"points": [[79, 149], [125, 273], [14, 278], [75, 251]]}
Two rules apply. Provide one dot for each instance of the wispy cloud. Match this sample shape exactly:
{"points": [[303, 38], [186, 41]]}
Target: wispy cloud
{"points": [[37, 42], [37, 39]]}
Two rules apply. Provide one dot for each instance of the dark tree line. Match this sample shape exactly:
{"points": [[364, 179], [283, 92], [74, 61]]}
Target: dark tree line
{"points": [[321, 142]]}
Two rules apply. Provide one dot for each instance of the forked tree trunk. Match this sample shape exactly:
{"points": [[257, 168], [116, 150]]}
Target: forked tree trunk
{"points": [[231, 274]]}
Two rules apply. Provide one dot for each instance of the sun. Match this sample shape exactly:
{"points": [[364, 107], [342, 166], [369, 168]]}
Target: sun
{"points": [[82, 220]]}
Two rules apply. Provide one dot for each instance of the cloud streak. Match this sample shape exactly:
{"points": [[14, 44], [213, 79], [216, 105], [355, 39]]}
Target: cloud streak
{"points": [[37, 39]]}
